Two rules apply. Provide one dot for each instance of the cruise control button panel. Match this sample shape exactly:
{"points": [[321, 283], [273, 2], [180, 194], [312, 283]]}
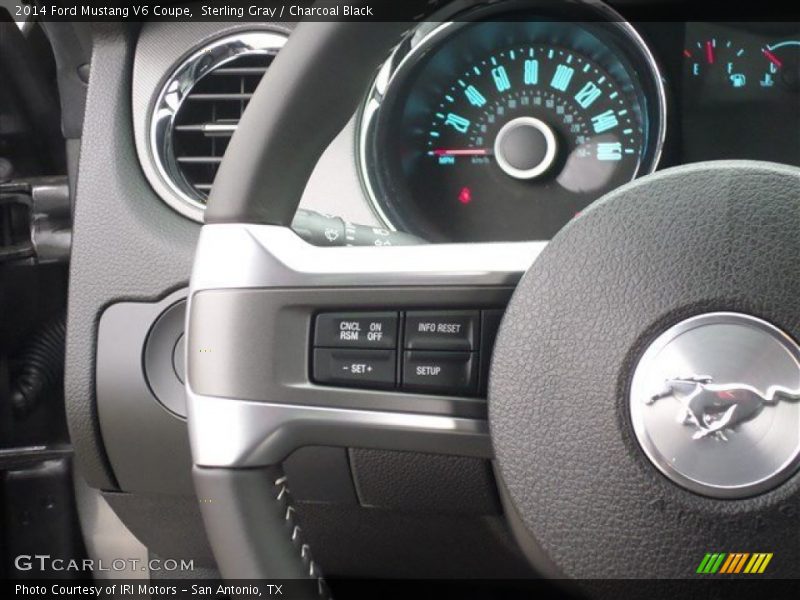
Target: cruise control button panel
{"points": [[356, 330], [426, 351], [451, 372], [442, 330], [355, 368]]}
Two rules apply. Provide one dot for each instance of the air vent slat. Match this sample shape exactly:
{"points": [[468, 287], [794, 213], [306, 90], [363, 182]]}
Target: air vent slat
{"points": [[240, 71], [195, 160], [218, 97], [209, 129]]}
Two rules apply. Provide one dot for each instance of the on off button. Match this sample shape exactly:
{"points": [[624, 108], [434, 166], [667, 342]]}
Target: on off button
{"points": [[356, 330]]}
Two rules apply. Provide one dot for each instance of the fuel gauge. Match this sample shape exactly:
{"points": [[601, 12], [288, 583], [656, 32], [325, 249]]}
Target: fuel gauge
{"points": [[782, 65], [716, 62]]}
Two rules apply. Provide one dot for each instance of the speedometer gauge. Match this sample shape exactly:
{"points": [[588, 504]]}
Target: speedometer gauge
{"points": [[505, 130], [563, 119]]}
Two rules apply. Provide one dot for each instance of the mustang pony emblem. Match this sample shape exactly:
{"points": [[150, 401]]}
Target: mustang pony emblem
{"points": [[714, 408]]}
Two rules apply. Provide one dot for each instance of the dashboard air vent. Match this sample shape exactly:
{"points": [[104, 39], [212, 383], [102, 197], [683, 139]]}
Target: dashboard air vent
{"points": [[198, 110]]}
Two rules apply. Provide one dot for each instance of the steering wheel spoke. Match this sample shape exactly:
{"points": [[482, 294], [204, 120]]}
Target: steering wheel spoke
{"points": [[256, 292]]}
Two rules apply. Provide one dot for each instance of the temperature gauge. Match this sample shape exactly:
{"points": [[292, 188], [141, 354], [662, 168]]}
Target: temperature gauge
{"points": [[782, 65], [717, 62]]}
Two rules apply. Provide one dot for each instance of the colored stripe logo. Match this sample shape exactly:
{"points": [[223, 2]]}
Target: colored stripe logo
{"points": [[734, 563]]}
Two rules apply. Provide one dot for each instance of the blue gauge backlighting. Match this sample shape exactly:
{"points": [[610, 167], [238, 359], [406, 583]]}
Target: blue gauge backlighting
{"points": [[536, 119]]}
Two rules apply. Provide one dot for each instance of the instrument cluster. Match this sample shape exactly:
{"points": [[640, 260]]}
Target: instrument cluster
{"points": [[504, 124]]}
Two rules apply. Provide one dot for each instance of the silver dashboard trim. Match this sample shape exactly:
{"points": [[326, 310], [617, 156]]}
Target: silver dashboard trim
{"points": [[267, 433], [549, 156], [230, 432], [251, 256]]}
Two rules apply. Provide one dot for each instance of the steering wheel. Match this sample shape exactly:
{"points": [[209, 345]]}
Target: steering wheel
{"points": [[643, 395]]}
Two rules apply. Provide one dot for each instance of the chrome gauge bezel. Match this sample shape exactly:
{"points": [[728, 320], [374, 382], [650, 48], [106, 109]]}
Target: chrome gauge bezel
{"points": [[428, 36], [173, 188]]}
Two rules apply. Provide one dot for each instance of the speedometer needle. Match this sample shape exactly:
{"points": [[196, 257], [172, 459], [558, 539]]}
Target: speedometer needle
{"points": [[461, 152]]}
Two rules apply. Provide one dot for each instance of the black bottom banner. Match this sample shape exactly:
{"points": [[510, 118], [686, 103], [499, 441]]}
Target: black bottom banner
{"points": [[132, 589]]}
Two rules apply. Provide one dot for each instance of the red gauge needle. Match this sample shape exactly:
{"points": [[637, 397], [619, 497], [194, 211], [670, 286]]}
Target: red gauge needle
{"points": [[710, 53], [462, 152], [772, 58]]}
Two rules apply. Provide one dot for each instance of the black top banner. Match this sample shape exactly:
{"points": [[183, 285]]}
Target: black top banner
{"points": [[383, 10]]}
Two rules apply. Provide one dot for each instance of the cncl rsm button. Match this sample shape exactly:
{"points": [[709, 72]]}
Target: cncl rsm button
{"points": [[442, 330], [356, 330]]}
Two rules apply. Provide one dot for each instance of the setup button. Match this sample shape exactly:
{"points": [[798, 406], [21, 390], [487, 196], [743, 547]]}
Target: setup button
{"points": [[355, 368], [443, 372]]}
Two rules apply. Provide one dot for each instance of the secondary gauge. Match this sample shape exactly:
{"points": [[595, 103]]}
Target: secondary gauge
{"points": [[717, 62], [782, 66], [740, 93], [505, 129]]}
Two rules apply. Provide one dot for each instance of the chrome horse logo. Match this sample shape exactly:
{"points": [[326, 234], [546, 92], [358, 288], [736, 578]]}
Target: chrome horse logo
{"points": [[714, 408]]}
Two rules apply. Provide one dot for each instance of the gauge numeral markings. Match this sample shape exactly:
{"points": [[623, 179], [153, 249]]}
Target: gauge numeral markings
{"points": [[588, 94], [457, 122], [609, 151], [474, 96], [531, 72], [562, 77], [604, 121], [501, 79]]}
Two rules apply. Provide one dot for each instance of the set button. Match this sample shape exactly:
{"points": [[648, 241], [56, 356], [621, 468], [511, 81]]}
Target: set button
{"points": [[355, 368]]}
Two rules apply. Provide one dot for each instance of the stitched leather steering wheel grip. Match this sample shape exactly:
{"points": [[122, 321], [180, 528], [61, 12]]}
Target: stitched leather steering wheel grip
{"points": [[238, 502]]}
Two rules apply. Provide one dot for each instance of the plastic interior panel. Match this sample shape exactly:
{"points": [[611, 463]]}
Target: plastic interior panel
{"points": [[147, 444]]}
